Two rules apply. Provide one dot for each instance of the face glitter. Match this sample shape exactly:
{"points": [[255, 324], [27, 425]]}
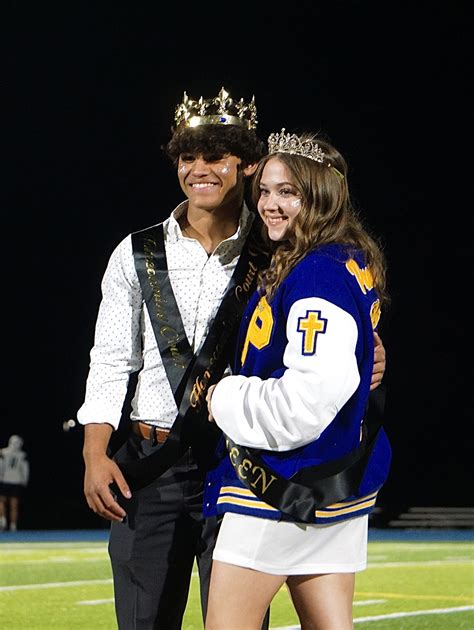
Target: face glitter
{"points": [[224, 169]]}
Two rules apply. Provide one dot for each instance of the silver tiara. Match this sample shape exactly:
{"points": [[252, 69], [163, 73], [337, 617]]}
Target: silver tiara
{"points": [[291, 143]]}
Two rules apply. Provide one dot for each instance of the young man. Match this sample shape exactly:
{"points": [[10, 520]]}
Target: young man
{"points": [[172, 298]]}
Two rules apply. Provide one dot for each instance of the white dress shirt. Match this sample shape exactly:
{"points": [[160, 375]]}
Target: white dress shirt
{"points": [[124, 339]]}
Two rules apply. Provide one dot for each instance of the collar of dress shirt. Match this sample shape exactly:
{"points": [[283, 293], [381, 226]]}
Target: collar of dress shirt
{"points": [[173, 230]]}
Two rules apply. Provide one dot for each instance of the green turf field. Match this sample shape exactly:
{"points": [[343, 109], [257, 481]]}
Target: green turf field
{"points": [[408, 585]]}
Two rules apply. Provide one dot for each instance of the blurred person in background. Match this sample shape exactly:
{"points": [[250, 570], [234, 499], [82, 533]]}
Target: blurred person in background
{"points": [[14, 476]]}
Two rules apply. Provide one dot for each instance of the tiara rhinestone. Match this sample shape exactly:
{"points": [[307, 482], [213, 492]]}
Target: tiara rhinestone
{"points": [[290, 143], [221, 110]]}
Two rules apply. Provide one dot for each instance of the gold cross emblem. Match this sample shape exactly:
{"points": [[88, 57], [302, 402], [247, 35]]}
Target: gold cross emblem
{"points": [[310, 326]]}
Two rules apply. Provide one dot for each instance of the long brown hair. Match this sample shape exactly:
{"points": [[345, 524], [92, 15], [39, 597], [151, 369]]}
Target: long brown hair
{"points": [[326, 216]]}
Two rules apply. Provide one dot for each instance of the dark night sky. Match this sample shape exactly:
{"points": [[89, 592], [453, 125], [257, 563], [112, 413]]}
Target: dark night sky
{"points": [[90, 97]]}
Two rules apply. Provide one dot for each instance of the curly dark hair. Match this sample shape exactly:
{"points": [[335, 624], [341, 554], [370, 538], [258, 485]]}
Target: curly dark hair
{"points": [[215, 141]]}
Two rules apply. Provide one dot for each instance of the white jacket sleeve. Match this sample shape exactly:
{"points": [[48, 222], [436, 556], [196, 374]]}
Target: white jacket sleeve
{"points": [[284, 413]]}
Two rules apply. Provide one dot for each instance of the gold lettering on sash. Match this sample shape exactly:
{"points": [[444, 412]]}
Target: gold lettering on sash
{"points": [[248, 280], [199, 387], [172, 337], [201, 383], [257, 473], [233, 454], [263, 478], [246, 465]]}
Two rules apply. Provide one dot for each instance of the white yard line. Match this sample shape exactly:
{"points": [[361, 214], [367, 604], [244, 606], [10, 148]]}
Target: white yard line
{"points": [[426, 563], [414, 613], [375, 565], [58, 560], [96, 602], [27, 587]]}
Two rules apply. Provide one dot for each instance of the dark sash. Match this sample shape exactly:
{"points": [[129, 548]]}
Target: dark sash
{"points": [[189, 375], [313, 487]]}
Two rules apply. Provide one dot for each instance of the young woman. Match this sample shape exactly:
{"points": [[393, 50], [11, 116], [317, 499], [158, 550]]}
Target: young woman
{"points": [[294, 411]]}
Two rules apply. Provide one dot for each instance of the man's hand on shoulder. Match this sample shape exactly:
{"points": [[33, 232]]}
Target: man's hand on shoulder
{"points": [[379, 362]]}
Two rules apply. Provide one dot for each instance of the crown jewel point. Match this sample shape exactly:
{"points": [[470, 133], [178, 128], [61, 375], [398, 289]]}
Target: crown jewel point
{"points": [[291, 143], [219, 110]]}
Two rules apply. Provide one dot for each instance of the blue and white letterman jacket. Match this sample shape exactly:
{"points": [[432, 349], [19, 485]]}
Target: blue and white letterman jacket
{"points": [[301, 383]]}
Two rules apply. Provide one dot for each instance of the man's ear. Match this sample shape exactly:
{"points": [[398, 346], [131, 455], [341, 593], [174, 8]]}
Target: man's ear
{"points": [[250, 169]]}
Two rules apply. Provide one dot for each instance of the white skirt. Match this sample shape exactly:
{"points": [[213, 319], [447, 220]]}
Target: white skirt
{"points": [[283, 548]]}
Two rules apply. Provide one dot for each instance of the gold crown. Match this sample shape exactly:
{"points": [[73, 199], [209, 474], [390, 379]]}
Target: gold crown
{"points": [[221, 110], [290, 143]]}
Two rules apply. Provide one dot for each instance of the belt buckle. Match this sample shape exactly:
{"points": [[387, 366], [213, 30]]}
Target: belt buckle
{"points": [[159, 436]]}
